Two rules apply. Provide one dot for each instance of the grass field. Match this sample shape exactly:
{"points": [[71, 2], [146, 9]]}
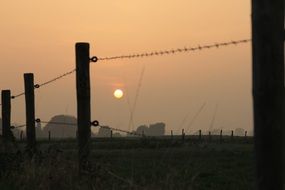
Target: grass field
{"points": [[133, 164]]}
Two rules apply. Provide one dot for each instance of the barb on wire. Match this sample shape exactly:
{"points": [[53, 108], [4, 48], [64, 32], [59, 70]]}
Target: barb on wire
{"points": [[19, 126], [95, 123], [45, 83], [55, 79], [121, 130], [18, 95], [56, 123], [173, 51]]}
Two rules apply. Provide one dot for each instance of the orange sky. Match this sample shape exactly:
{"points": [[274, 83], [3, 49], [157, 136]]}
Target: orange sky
{"points": [[39, 37]]}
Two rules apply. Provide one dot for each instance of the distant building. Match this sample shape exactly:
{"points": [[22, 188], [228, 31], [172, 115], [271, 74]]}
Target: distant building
{"points": [[157, 129], [58, 129], [104, 132]]}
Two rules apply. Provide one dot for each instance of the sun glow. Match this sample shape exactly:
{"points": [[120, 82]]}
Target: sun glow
{"points": [[118, 93]]}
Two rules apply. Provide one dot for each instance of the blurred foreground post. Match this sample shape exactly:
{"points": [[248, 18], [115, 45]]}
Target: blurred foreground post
{"points": [[83, 103], [6, 115], [30, 111], [268, 92]]}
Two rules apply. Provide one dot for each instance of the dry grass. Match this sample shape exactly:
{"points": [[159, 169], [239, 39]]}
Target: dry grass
{"points": [[215, 166]]}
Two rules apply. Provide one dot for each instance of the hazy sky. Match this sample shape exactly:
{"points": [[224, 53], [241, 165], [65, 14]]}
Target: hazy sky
{"points": [[39, 37]]}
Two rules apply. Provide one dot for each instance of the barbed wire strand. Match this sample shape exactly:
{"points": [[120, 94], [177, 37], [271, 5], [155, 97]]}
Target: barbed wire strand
{"points": [[174, 51], [18, 126], [57, 78], [36, 86], [101, 126], [57, 123], [140, 55], [121, 130]]}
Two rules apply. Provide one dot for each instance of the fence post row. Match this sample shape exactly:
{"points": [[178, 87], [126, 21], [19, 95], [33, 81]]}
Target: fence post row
{"points": [[6, 115], [83, 102], [30, 111]]}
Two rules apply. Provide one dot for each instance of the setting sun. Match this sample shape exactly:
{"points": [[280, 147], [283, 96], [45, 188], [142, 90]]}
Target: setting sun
{"points": [[118, 93]]}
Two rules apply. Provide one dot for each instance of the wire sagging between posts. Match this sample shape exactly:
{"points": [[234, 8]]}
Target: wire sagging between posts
{"points": [[46, 83], [97, 124], [174, 51], [141, 55]]}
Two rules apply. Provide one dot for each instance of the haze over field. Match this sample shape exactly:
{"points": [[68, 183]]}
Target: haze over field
{"points": [[39, 37]]}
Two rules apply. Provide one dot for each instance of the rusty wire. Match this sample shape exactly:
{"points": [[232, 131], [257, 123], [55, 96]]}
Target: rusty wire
{"points": [[55, 79], [74, 124], [174, 51], [121, 130], [19, 126], [36, 86], [141, 55]]}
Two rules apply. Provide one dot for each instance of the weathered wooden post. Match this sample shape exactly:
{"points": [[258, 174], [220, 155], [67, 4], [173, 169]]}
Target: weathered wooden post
{"points": [[232, 135], [111, 134], [6, 115], [83, 103], [268, 92], [171, 134], [221, 136], [30, 111], [183, 135], [200, 135]]}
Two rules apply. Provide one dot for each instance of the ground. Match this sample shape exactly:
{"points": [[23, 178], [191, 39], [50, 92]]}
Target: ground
{"points": [[132, 164]]}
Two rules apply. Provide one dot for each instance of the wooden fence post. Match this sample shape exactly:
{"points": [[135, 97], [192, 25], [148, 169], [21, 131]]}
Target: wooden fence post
{"points": [[221, 136], [232, 135], [200, 135], [171, 134], [111, 134], [183, 135], [30, 111], [6, 115], [83, 103], [268, 92]]}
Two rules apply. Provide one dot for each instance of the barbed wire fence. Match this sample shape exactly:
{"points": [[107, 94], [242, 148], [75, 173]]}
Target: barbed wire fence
{"points": [[172, 51], [129, 56]]}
